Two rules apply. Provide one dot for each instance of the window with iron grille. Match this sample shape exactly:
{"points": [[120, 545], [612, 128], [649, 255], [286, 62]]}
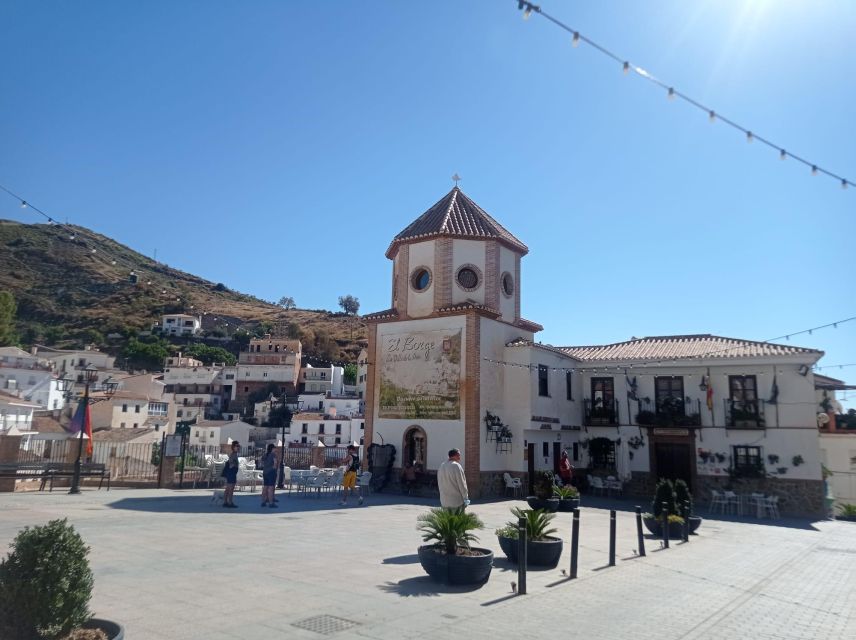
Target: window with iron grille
{"points": [[543, 381], [569, 383], [748, 459]]}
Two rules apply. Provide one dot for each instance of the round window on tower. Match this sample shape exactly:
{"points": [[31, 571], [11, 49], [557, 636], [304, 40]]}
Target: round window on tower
{"points": [[420, 279], [468, 277], [507, 285]]}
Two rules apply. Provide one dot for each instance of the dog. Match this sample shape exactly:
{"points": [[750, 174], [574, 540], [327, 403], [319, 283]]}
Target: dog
{"points": [[218, 496]]}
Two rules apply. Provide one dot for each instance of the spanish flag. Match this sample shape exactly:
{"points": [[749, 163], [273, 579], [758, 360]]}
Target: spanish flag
{"points": [[80, 420]]}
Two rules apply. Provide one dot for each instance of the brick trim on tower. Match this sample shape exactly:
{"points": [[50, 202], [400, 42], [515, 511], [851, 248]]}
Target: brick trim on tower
{"points": [[491, 274], [402, 289], [472, 405], [371, 371], [442, 272]]}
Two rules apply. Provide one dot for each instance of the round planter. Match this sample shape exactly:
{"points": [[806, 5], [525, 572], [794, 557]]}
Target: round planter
{"points": [[539, 553], [676, 530], [695, 523], [547, 504], [457, 570], [114, 630], [569, 504]]}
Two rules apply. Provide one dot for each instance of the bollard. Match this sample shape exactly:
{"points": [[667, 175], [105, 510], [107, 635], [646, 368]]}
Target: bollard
{"points": [[522, 560], [612, 537], [575, 543], [686, 529], [640, 538], [665, 514]]}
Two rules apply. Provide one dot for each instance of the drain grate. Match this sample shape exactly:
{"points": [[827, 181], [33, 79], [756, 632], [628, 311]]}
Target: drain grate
{"points": [[324, 624]]}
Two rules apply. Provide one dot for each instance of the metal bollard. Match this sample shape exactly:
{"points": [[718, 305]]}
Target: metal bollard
{"points": [[640, 538], [522, 560], [686, 528], [665, 514], [575, 543], [612, 537]]}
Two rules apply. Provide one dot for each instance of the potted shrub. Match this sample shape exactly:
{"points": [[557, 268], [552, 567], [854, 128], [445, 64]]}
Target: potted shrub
{"points": [[645, 418], [569, 497], [847, 512], [683, 495], [543, 498], [46, 585], [665, 492], [451, 559], [542, 548]]}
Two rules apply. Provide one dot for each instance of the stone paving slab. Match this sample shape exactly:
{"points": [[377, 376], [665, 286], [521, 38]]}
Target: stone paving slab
{"points": [[169, 564]]}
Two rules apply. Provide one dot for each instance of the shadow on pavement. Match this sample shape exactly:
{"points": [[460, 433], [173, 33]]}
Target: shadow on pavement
{"points": [[412, 558], [423, 586], [251, 504]]}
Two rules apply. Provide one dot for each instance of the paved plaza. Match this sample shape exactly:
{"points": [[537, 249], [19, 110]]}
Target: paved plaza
{"points": [[169, 565]]}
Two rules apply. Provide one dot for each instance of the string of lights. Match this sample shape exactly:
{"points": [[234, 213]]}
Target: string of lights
{"points": [[529, 8], [674, 361], [835, 366]]}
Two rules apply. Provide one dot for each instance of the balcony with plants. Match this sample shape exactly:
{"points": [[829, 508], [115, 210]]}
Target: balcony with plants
{"points": [[671, 412], [744, 414], [601, 412]]}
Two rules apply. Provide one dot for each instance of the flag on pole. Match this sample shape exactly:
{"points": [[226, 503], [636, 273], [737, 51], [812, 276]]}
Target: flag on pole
{"points": [[80, 420], [774, 392], [709, 392]]}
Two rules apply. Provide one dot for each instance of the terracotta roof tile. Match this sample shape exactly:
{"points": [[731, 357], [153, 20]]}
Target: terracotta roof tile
{"points": [[119, 435], [456, 215], [686, 346]]}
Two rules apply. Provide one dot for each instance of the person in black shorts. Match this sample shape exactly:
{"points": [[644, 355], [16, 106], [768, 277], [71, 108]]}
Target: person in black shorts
{"points": [[230, 473], [349, 482], [269, 477]]}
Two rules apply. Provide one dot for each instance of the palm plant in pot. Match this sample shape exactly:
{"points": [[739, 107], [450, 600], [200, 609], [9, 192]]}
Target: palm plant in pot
{"points": [[569, 497], [543, 489], [542, 548], [46, 585], [682, 497], [451, 559]]}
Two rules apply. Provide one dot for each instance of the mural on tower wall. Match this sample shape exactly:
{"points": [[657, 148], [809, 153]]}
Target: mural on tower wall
{"points": [[420, 375]]}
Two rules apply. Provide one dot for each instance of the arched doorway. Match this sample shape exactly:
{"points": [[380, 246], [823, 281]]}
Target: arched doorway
{"points": [[415, 447]]}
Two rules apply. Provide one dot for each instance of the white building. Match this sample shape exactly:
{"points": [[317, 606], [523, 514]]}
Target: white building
{"points": [[269, 363], [180, 324], [74, 361], [140, 402], [453, 364], [219, 432], [837, 440], [322, 380], [197, 389], [29, 377], [16, 415], [331, 429]]}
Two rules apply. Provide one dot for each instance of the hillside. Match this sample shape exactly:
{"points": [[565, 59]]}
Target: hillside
{"points": [[73, 288]]}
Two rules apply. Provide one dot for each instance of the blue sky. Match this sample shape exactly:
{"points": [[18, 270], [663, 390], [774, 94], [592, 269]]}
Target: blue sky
{"points": [[279, 146]]}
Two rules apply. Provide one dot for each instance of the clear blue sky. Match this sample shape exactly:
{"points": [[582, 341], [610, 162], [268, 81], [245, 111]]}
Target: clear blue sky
{"points": [[279, 146]]}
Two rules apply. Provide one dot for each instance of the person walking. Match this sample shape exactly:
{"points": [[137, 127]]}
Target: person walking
{"points": [[453, 483], [566, 470], [269, 477], [349, 482], [230, 472]]}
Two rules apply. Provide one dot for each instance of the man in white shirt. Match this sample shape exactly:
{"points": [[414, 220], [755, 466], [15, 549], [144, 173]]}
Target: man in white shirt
{"points": [[453, 483]]}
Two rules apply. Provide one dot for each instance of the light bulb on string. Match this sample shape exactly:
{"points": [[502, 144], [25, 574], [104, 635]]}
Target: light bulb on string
{"points": [[575, 40], [94, 250], [711, 115], [843, 183], [626, 67], [527, 12], [749, 136], [814, 169], [671, 94], [23, 204], [112, 262]]}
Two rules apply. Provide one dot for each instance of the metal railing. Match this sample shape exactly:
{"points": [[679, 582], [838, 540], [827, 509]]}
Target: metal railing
{"points": [[600, 413], [744, 414]]}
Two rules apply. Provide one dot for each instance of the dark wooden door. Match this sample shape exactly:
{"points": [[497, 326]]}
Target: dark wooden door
{"points": [[530, 465], [673, 462], [557, 455]]}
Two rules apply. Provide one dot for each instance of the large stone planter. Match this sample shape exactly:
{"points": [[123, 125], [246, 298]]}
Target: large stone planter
{"points": [[676, 530], [569, 504], [539, 553], [114, 630], [547, 504], [456, 570]]}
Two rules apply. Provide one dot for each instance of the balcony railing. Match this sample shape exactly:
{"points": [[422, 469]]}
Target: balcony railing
{"points": [[601, 413], [674, 413], [744, 414]]}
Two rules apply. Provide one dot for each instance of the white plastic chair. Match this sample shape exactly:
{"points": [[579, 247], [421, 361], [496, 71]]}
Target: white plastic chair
{"points": [[513, 484], [771, 506], [597, 484], [717, 500], [364, 482], [613, 484], [733, 500], [286, 477]]}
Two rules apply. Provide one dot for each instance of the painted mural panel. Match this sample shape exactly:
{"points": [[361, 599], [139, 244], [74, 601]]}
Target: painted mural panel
{"points": [[420, 375]]}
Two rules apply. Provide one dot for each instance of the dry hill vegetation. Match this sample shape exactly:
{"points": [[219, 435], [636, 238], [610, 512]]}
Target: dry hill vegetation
{"points": [[69, 295]]}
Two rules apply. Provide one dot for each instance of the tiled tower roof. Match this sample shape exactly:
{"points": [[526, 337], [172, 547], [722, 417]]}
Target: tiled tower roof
{"points": [[457, 216]]}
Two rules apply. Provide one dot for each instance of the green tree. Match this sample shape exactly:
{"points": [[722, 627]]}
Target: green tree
{"points": [[8, 308], [287, 303], [146, 355], [279, 417], [350, 373], [209, 355], [349, 304]]}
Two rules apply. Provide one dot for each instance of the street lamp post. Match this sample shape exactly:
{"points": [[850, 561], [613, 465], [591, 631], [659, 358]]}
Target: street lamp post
{"points": [[66, 383], [286, 421]]}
